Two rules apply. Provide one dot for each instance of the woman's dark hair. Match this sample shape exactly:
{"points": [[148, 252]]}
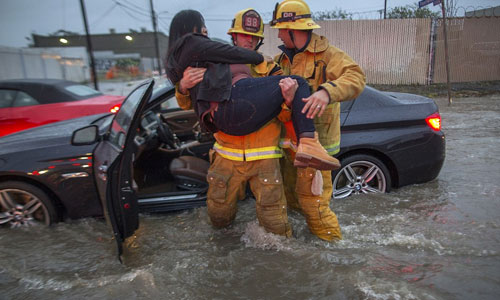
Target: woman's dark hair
{"points": [[185, 21]]}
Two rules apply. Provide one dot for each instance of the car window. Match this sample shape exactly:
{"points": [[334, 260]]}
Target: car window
{"points": [[82, 90], [121, 123], [6, 98], [23, 99], [170, 103]]}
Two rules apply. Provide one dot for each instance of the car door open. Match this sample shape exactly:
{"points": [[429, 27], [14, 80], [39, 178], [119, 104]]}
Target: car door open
{"points": [[113, 159]]}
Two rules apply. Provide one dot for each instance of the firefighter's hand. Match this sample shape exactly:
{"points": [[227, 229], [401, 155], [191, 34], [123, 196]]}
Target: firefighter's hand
{"points": [[191, 77], [288, 88], [316, 104]]}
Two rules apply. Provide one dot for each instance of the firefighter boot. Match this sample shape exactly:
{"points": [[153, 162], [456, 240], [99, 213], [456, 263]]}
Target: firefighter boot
{"points": [[311, 154]]}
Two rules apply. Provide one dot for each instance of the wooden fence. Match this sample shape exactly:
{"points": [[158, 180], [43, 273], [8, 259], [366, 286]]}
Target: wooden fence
{"points": [[411, 51]]}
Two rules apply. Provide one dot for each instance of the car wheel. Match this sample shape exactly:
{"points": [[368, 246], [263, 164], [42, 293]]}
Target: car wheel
{"points": [[23, 205], [360, 174]]}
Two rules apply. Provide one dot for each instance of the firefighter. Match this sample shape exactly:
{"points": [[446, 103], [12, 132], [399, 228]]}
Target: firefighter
{"points": [[333, 77], [253, 158]]}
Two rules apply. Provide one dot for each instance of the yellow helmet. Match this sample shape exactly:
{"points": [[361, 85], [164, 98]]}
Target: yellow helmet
{"points": [[293, 14], [247, 21]]}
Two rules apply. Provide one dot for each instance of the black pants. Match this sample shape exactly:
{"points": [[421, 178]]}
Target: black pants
{"points": [[256, 101]]}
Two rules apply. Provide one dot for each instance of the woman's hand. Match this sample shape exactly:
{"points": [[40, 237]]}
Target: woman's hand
{"points": [[288, 88], [191, 77], [316, 104]]}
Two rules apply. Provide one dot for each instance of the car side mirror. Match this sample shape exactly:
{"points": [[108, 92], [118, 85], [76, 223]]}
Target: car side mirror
{"points": [[85, 136]]}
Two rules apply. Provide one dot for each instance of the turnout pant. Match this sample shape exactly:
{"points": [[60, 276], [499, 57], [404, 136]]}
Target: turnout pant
{"points": [[320, 219], [227, 181]]}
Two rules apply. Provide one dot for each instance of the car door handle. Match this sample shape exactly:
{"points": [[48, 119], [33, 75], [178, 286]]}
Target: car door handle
{"points": [[126, 189]]}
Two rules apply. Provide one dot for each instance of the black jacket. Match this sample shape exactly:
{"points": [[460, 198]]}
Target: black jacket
{"points": [[197, 50]]}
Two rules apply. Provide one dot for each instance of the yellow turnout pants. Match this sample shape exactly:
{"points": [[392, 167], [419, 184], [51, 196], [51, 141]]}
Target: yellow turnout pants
{"points": [[227, 183], [320, 219]]}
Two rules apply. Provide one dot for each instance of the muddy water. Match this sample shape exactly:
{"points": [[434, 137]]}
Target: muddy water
{"points": [[439, 240]]}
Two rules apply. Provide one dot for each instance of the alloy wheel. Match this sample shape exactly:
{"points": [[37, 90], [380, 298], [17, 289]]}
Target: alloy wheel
{"points": [[359, 177], [22, 209]]}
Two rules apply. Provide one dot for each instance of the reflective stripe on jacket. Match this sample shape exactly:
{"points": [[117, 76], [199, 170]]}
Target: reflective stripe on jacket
{"points": [[329, 68]]}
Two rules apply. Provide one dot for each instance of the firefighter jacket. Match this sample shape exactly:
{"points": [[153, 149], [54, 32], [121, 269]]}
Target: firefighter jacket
{"points": [[324, 67], [261, 144]]}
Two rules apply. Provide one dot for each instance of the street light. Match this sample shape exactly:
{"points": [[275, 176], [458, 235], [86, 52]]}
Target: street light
{"points": [[128, 38], [63, 41]]}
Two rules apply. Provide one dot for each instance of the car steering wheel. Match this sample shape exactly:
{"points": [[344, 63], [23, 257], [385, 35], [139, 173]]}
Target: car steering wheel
{"points": [[165, 135]]}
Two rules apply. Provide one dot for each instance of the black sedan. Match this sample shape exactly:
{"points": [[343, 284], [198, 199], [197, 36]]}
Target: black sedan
{"points": [[388, 140]]}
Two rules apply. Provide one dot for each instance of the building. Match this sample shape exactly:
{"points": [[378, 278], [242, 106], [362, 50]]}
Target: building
{"points": [[135, 44]]}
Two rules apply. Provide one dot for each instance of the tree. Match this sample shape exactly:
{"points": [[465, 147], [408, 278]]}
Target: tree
{"points": [[337, 14], [411, 11], [451, 8]]}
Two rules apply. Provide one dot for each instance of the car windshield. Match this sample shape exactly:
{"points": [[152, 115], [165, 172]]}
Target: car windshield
{"points": [[82, 90]]}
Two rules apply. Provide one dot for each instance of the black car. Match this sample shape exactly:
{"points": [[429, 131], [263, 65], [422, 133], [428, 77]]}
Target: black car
{"points": [[45, 179], [152, 156], [388, 140]]}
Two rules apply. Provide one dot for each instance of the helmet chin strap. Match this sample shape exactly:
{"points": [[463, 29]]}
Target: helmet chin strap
{"points": [[261, 41], [292, 37]]}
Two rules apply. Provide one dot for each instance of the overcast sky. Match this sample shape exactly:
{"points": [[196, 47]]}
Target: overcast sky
{"points": [[20, 18]]}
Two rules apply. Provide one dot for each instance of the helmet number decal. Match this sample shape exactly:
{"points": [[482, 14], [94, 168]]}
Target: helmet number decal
{"points": [[251, 21]]}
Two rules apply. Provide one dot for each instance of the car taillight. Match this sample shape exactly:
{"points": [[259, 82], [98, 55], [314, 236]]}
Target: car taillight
{"points": [[434, 121], [115, 109]]}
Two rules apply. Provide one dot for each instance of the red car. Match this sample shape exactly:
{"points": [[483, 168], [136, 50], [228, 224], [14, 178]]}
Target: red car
{"points": [[27, 103]]}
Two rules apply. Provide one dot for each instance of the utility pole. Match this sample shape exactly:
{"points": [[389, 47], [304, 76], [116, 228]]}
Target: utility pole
{"points": [[385, 8], [155, 32], [446, 56], [89, 46]]}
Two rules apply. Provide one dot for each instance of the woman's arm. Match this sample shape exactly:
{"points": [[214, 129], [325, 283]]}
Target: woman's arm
{"points": [[216, 52], [196, 48]]}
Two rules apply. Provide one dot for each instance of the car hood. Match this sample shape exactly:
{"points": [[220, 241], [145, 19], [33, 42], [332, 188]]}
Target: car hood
{"points": [[50, 135]]}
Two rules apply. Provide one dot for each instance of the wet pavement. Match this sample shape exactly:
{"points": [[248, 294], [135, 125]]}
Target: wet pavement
{"points": [[438, 240]]}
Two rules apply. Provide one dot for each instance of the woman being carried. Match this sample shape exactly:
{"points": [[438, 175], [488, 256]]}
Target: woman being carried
{"points": [[228, 98]]}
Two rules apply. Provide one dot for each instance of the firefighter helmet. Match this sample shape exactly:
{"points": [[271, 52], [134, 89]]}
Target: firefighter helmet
{"points": [[247, 21], [293, 14]]}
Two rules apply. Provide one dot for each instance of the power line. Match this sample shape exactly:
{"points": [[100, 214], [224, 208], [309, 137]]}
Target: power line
{"points": [[164, 25], [103, 15], [126, 10], [138, 11], [206, 19], [136, 7]]}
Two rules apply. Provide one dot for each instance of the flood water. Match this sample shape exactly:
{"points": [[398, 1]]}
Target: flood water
{"points": [[438, 240]]}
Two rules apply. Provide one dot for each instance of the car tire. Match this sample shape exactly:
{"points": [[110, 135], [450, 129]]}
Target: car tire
{"points": [[352, 177], [23, 205]]}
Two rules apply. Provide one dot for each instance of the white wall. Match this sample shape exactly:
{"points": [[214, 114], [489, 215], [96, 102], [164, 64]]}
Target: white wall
{"points": [[58, 63]]}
